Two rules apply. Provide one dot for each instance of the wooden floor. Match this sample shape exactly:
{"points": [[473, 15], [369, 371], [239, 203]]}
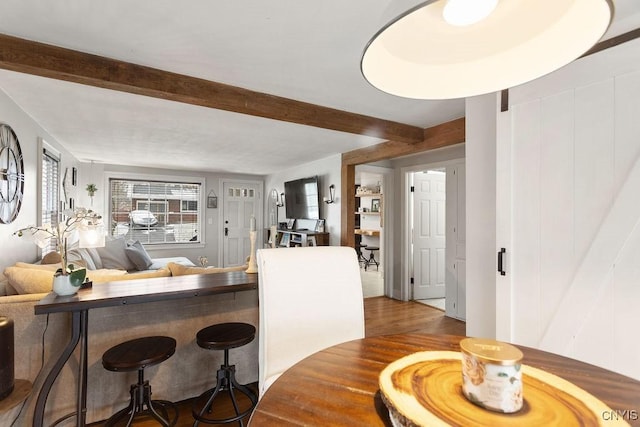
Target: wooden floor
{"points": [[382, 316]]}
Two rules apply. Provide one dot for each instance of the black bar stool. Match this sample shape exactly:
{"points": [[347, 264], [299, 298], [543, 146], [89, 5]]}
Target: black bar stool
{"points": [[361, 258], [372, 259], [225, 336], [135, 355]]}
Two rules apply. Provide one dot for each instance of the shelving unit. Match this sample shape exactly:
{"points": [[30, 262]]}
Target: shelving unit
{"points": [[359, 197], [290, 238], [368, 222], [361, 232]]}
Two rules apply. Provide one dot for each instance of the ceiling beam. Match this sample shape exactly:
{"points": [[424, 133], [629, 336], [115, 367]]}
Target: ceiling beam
{"points": [[443, 135], [54, 62]]}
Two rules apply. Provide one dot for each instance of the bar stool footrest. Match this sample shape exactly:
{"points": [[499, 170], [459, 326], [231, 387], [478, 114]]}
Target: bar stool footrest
{"points": [[226, 381], [141, 398]]}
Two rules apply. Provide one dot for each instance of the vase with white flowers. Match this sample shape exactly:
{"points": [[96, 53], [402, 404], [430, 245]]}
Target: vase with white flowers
{"points": [[68, 278]]}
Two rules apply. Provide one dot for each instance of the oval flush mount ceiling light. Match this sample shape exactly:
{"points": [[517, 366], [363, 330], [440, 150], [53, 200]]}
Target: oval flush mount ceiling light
{"points": [[420, 55], [467, 12]]}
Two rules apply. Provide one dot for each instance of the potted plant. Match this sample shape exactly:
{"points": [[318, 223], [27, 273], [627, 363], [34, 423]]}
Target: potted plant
{"points": [[67, 279], [91, 189]]}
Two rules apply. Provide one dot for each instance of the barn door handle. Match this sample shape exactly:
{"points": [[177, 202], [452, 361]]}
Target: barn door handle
{"points": [[501, 253]]}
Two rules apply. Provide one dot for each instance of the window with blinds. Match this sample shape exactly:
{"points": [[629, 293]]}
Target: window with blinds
{"points": [[50, 194], [155, 212]]}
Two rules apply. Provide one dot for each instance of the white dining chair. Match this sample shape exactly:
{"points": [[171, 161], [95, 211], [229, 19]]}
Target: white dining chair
{"points": [[310, 299]]}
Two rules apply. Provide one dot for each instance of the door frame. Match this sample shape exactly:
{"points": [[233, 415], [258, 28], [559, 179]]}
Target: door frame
{"points": [[406, 289], [386, 232], [259, 213]]}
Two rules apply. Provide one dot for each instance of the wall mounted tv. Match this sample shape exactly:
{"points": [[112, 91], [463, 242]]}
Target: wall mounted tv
{"points": [[301, 198]]}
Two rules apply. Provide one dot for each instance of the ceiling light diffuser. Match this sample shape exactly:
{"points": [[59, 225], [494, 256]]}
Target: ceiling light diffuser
{"points": [[467, 12], [420, 55]]}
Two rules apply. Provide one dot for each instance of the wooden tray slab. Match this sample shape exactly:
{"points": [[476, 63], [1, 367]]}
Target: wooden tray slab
{"points": [[425, 389]]}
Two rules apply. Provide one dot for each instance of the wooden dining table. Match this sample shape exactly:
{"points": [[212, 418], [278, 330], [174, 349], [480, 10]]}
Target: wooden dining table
{"points": [[339, 386]]}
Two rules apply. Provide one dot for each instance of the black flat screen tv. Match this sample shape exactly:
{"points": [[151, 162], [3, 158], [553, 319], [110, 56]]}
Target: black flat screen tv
{"points": [[301, 197]]}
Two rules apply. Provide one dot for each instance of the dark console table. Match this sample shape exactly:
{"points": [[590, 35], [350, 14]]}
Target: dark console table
{"points": [[116, 294]]}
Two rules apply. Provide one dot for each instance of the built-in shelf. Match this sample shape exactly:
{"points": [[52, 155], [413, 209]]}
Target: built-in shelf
{"points": [[368, 213], [367, 232], [369, 195]]}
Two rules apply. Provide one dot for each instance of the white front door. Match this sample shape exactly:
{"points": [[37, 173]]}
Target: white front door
{"points": [[241, 202], [429, 198]]}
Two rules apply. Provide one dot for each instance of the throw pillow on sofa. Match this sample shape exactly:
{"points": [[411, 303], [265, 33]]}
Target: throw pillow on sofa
{"points": [[138, 255], [29, 280], [49, 267], [36, 279], [85, 257], [181, 270], [148, 274], [51, 258], [114, 255]]}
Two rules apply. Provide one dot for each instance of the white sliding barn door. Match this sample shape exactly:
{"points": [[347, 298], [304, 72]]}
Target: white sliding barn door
{"points": [[573, 241]]}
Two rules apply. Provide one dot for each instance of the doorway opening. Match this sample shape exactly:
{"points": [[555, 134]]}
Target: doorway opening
{"points": [[435, 236], [370, 228]]}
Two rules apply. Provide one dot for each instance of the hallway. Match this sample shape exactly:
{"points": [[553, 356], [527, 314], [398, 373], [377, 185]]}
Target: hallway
{"points": [[372, 283]]}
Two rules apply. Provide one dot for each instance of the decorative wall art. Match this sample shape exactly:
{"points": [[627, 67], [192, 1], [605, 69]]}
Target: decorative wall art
{"points": [[11, 175], [212, 200]]}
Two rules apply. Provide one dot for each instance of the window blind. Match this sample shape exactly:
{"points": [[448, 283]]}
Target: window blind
{"points": [[50, 194]]}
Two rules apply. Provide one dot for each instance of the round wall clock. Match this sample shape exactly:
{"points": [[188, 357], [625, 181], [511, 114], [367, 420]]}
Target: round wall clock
{"points": [[11, 175]]}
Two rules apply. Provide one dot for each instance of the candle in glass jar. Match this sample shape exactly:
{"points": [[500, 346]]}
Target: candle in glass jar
{"points": [[252, 223], [491, 374]]}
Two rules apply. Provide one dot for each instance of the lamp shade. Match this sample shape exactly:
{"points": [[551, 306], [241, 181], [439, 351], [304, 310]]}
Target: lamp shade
{"points": [[420, 55], [91, 236]]}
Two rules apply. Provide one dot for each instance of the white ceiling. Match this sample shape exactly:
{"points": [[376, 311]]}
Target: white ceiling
{"points": [[303, 50]]}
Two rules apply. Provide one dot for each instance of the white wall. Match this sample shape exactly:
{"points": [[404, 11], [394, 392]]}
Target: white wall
{"points": [[328, 171], [481, 215], [13, 248]]}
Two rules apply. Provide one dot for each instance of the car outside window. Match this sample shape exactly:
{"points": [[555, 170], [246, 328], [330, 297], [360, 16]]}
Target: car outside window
{"points": [[153, 211]]}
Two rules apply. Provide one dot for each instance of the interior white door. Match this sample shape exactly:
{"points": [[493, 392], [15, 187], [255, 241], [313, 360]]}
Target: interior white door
{"points": [[456, 298], [429, 243], [241, 200]]}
